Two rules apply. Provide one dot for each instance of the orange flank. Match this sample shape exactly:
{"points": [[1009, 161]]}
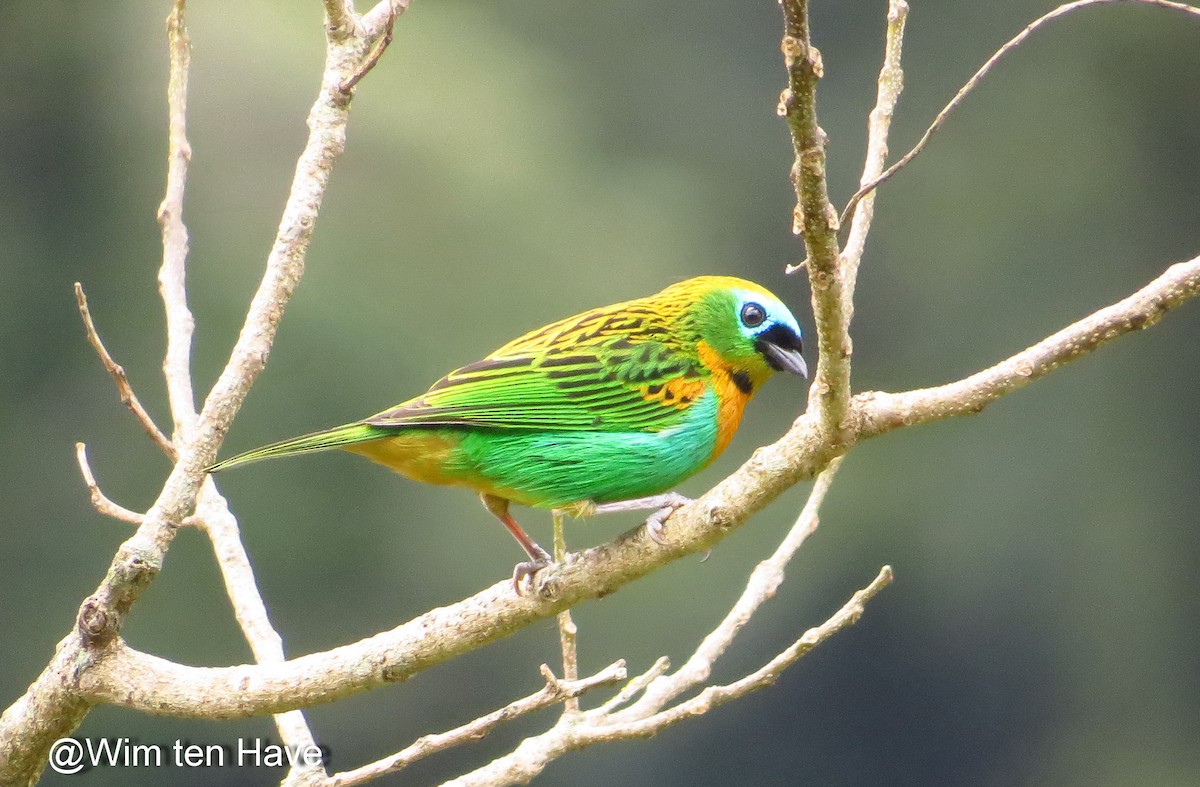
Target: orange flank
{"points": [[678, 392], [434, 458]]}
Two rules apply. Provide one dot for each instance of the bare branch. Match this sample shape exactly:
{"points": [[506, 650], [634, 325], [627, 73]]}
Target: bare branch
{"points": [[285, 264], [99, 500], [172, 275], [567, 630], [554, 691], [141, 681], [816, 218], [881, 412], [211, 510], [374, 22], [124, 389], [974, 81]]}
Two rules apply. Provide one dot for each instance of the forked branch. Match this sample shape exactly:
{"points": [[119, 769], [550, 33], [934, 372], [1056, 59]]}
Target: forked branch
{"points": [[577, 731], [553, 692]]}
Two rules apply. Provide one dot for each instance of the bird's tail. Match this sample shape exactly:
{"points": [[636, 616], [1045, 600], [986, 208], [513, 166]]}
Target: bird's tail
{"points": [[336, 437]]}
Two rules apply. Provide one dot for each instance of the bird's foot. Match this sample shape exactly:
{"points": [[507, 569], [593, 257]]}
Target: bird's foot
{"points": [[527, 569], [656, 523], [666, 504]]}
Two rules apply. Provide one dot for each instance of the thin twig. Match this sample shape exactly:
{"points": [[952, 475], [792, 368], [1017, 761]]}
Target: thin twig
{"points": [[567, 630], [891, 82], [974, 81], [636, 685], [99, 500], [714, 696], [554, 691], [172, 279], [124, 389], [380, 47]]}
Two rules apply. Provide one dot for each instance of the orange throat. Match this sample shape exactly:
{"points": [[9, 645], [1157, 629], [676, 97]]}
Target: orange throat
{"points": [[731, 398]]}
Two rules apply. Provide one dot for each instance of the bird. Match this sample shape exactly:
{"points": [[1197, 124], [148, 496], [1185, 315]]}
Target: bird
{"points": [[603, 411]]}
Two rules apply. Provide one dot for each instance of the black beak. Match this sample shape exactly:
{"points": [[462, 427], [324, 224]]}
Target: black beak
{"points": [[781, 347]]}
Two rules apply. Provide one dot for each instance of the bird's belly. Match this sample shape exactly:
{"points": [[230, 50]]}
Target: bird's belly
{"points": [[424, 455], [548, 469], [556, 469]]}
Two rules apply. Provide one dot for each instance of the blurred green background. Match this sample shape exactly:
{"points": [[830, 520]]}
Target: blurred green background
{"points": [[512, 163]]}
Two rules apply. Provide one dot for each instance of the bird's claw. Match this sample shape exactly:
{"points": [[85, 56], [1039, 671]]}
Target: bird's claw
{"points": [[527, 569], [656, 523]]}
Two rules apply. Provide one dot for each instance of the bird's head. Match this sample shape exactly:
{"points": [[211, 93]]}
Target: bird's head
{"points": [[744, 327]]}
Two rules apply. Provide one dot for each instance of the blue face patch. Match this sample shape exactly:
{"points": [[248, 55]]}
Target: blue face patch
{"points": [[758, 313]]}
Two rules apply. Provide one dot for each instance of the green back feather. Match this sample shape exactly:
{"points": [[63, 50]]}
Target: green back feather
{"points": [[588, 373]]}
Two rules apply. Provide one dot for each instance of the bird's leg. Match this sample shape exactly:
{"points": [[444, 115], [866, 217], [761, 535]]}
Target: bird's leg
{"points": [[666, 504], [538, 557]]}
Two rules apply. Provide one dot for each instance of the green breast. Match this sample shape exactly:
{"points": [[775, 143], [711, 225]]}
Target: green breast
{"points": [[553, 469]]}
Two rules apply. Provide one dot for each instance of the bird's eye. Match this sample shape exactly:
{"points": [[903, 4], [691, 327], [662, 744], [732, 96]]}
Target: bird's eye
{"points": [[753, 315]]}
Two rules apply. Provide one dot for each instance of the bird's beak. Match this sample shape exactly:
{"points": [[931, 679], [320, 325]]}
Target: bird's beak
{"points": [[781, 347], [783, 359]]}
